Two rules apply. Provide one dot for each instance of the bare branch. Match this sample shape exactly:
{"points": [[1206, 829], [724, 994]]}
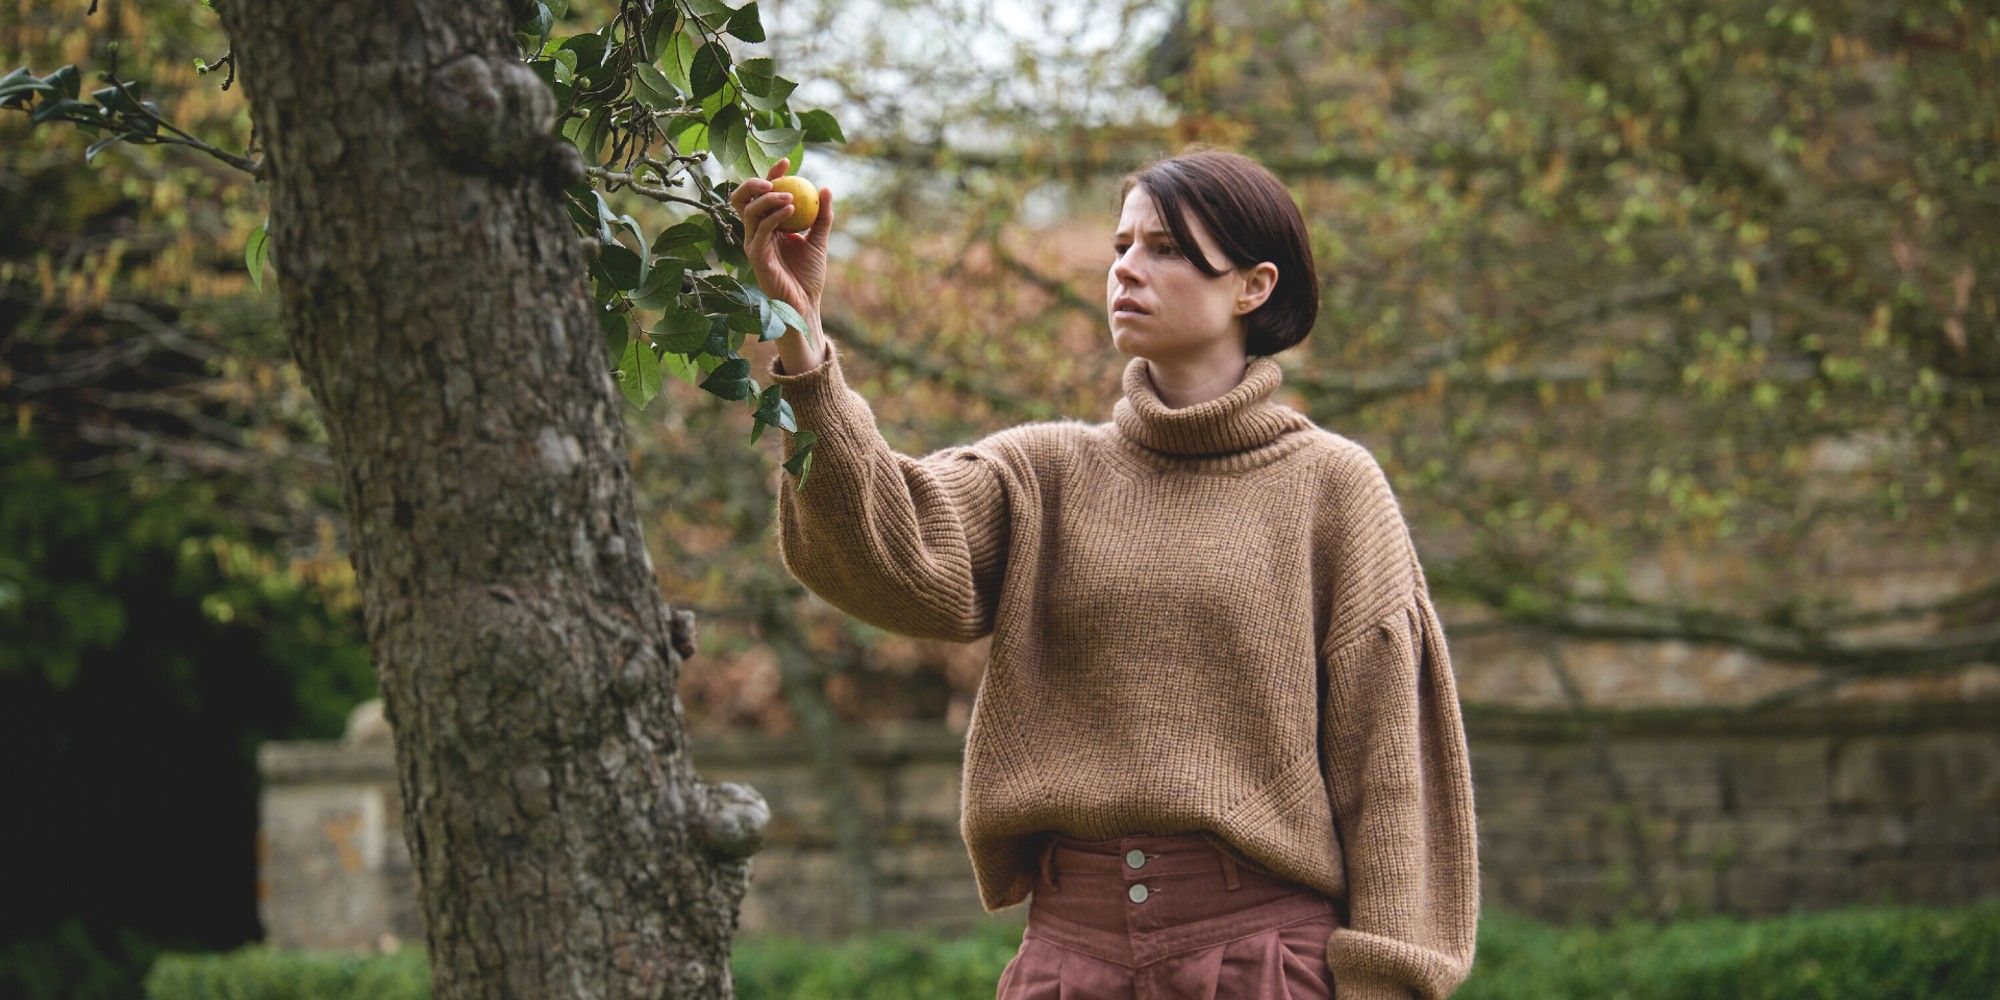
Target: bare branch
{"points": [[1805, 643]]}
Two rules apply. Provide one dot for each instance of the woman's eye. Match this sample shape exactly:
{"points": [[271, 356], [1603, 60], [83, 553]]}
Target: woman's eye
{"points": [[1166, 248]]}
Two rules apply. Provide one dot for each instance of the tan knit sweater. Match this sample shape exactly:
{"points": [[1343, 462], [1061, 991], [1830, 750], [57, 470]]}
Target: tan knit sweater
{"points": [[1205, 619]]}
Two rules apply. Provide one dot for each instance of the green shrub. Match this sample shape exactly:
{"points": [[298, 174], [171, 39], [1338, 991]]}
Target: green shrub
{"points": [[259, 973], [72, 963], [885, 966], [1915, 952], [1911, 952]]}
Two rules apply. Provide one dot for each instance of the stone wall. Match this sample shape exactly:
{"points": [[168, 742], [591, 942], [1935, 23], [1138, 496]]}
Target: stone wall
{"points": [[1747, 814]]}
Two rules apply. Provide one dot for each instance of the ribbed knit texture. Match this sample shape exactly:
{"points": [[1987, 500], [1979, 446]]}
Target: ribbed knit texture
{"points": [[1204, 619]]}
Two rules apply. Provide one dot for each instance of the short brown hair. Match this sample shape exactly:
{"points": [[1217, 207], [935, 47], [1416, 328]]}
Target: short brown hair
{"points": [[1252, 218]]}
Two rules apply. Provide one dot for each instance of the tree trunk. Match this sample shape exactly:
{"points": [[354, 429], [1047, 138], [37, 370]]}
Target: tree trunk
{"points": [[435, 296]]}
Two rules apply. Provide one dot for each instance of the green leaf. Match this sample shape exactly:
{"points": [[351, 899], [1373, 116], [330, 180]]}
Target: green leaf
{"points": [[639, 372], [254, 254], [730, 379], [587, 133], [718, 345], [713, 14], [688, 135], [665, 25], [57, 107], [605, 217], [682, 331], [616, 325], [99, 146], [767, 146], [617, 264], [645, 252], [710, 69], [16, 86], [748, 320], [652, 89], [677, 59], [682, 368], [764, 89], [534, 30], [66, 81], [727, 139], [685, 236], [776, 91], [662, 288], [789, 316], [820, 127], [801, 461], [589, 48], [720, 292], [773, 410], [745, 25]]}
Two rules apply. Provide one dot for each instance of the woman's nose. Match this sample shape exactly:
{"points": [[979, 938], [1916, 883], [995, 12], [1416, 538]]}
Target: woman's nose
{"points": [[1123, 270]]}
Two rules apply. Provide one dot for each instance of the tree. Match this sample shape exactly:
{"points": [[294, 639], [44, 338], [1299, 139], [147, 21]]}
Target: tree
{"points": [[427, 174]]}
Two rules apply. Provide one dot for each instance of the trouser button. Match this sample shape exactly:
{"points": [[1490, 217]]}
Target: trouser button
{"points": [[1138, 893], [1135, 858]]}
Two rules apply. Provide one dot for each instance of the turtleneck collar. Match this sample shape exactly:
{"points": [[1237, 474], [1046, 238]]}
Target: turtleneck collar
{"points": [[1243, 418]]}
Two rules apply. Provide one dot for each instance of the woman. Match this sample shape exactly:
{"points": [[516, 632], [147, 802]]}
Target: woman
{"points": [[1218, 738]]}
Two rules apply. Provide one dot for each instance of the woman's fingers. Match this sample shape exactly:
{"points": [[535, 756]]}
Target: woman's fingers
{"points": [[757, 214], [763, 205], [770, 210], [748, 191], [769, 223]]}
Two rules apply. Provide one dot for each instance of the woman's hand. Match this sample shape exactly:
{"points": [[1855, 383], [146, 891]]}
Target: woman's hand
{"points": [[790, 267]]}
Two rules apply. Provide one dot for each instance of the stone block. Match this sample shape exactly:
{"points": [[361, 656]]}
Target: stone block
{"points": [[1893, 881], [320, 858], [1709, 842], [1662, 774], [1846, 837], [774, 866], [1688, 894], [1770, 890], [1777, 773], [1955, 828], [927, 864], [1931, 768], [930, 904], [928, 792], [1493, 760]]}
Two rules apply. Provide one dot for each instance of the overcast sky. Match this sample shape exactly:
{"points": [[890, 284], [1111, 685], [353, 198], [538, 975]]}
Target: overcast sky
{"points": [[920, 65]]}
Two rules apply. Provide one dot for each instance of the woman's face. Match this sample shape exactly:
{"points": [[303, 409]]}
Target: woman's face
{"points": [[1180, 311]]}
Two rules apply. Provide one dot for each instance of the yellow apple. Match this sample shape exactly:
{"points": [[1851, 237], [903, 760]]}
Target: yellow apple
{"points": [[805, 202]]}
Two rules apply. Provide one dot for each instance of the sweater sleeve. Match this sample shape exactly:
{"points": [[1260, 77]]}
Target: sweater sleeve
{"points": [[1403, 801], [916, 546]]}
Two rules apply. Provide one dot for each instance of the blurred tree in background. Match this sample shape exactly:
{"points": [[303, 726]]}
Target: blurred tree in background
{"points": [[172, 588], [1658, 314]]}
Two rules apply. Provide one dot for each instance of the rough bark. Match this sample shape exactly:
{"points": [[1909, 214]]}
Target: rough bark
{"points": [[435, 297]]}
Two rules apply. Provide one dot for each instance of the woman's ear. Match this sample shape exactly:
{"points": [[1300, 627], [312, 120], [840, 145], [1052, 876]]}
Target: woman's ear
{"points": [[1262, 281]]}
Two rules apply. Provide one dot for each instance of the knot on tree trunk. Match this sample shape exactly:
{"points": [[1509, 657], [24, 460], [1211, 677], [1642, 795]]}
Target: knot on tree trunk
{"points": [[729, 820], [681, 627], [563, 165], [490, 115]]}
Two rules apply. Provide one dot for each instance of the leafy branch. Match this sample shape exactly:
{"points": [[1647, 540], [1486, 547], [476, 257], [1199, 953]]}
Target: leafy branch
{"points": [[118, 110], [646, 100]]}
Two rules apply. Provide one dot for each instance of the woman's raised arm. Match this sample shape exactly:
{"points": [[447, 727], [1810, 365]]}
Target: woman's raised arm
{"points": [[917, 546]]}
